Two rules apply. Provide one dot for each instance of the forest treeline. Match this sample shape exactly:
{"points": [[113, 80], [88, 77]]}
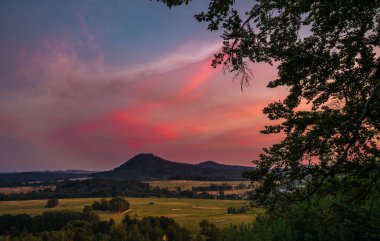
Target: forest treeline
{"points": [[221, 187], [75, 226], [113, 188]]}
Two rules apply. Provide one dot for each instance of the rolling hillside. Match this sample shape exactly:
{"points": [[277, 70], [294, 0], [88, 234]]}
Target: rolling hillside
{"points": [[147, 167]]}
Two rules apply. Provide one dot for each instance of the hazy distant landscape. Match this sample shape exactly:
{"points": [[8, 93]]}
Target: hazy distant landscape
{"points": [[220, 184], [143, 174], [211, 191]]}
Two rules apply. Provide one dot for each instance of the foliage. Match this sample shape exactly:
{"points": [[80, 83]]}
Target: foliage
{"points": [[115, 205], [326, 57], [87, 209], [236, 210], [73, 226], [52, 203], [317, 182], [48, 221], [157, 227], [320, 220], [88, 188]]}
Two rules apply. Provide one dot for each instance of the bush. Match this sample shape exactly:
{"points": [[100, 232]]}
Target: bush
{"points": [[52, 203], [237, 210], [118, 205], [87, 209], [114, 205]]}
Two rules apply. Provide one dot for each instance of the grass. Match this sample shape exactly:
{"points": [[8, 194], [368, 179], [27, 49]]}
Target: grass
{"points": [[9, 190], [23, 189], [187, 212]]}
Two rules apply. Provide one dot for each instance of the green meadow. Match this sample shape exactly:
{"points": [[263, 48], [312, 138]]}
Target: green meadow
{"points": [[187, 212]]}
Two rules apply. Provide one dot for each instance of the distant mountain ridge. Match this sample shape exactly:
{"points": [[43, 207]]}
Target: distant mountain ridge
{"points": [[142, 167], [148, 167]]}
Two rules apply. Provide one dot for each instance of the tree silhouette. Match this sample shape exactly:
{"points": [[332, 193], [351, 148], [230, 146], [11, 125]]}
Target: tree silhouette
{"points": [[327, 53], [52, 203]]}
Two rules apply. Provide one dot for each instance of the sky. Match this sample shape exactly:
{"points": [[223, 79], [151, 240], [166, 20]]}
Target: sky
{"points": [[89, 84]]}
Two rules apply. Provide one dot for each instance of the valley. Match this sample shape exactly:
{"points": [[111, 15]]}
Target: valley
{"points": [[187, 212]]}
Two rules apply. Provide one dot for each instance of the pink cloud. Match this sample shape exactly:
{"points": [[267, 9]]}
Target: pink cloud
{"points": [[202, 74], [80, 112]]}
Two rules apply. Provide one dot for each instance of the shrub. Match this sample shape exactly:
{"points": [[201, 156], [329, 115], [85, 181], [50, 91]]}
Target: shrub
{"points": [[114, 205], [52, 203], [237, 210], [118, 205], [87, 209]]}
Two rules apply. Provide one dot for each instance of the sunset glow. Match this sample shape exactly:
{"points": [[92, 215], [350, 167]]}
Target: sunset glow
{"points": [[99, 83]]}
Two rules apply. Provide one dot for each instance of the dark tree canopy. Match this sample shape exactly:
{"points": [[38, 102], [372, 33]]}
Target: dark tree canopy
{"points": [[116, 205], [52, 203], [327, 53]]}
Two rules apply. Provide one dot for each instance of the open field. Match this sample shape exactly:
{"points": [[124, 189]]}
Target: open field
{"points": [[187, 212], [8, 190], [23, 189], [189, 184]]}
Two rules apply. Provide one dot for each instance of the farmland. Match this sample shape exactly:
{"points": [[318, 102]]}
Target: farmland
{"points": [[187, 212]]}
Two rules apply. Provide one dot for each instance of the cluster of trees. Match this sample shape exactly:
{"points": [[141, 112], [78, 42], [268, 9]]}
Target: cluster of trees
{"points": [[314, 221], [48, 221], [156, 228], [115, 205], [52, 203], [237, 210], [74, 226]]}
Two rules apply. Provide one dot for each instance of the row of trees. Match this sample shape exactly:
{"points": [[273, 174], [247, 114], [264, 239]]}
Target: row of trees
{"points": [[221, 187], [109, 188], [88, 188]]}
